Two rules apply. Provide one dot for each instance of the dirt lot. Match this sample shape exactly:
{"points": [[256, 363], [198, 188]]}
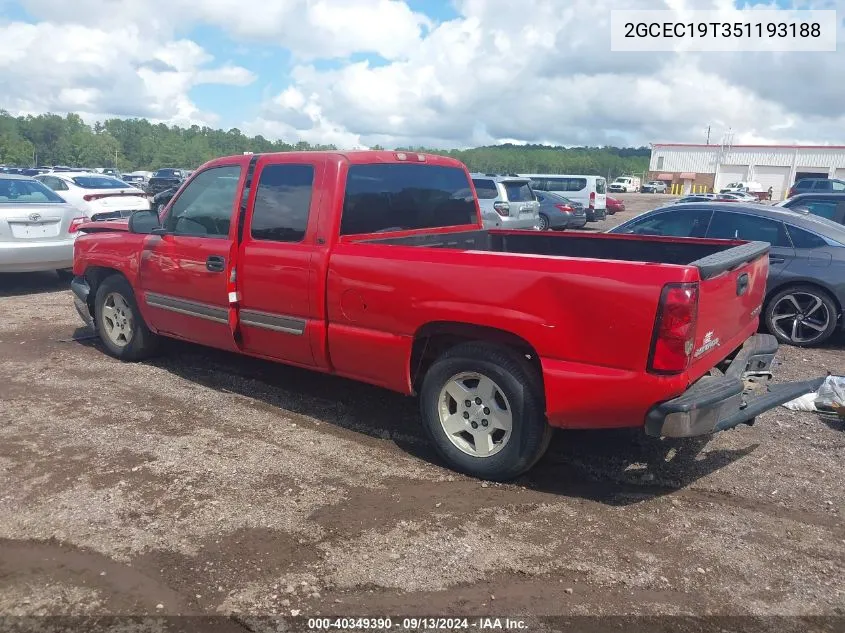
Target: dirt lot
{"points": [[201, 482]]}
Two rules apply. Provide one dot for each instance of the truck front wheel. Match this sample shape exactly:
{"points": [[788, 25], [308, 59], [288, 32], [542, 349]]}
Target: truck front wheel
{"points": [[119, 322], [482, 406]]}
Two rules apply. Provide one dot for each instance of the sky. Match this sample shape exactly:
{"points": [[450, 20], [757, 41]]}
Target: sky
{"points": [[436, 73]]}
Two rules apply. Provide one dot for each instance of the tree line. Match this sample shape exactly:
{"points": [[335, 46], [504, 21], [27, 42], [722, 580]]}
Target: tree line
{"points": [[131, 144]]}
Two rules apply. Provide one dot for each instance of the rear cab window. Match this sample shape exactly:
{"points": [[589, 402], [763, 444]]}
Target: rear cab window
{"points": [[282, 203], [601, 185], [396, 197]]}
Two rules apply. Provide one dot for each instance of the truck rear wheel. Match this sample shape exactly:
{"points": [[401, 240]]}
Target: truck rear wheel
{"points": [[482, 406], [119, 322]]}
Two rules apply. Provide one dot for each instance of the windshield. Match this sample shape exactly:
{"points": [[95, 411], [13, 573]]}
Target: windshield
{"points": [[15, 191], [99, 182]]}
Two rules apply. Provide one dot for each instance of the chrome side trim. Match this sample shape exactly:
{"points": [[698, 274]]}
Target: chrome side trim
{"points": [[271, 321], [190, 308]]}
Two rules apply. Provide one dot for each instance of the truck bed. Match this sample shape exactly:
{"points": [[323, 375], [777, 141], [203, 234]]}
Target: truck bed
{"points": [[711, 257]]}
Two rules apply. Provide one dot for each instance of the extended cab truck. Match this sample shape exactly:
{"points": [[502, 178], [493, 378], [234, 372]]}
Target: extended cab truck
{"points": [[374, 265]]}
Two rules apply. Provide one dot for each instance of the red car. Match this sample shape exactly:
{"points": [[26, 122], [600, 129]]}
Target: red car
{"points": [[614, 205], [374, 265]]}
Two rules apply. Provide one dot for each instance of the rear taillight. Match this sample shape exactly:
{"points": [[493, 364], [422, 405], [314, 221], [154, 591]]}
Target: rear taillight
{"points": [[502, 208], [674, 329], [88, 197], [592, 199], [564, 207], [75, 223]]}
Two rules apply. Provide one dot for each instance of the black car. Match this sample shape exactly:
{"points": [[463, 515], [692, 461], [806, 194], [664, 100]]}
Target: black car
{"points": [[816, 185], [167, 178], [829, 205], [805, 289]]}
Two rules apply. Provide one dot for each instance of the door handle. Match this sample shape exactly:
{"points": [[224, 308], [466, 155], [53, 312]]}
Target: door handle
{"points": [[215, 263]]}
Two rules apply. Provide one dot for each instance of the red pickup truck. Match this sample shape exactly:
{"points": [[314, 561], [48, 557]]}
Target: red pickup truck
{"points": [[373, 265]]}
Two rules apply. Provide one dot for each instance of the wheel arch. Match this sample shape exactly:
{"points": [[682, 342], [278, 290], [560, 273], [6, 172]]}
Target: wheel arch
{"points": [[95, 275], [433, 339]]}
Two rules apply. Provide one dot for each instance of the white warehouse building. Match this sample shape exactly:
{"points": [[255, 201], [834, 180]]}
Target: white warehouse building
{"points": [[712, 167]]}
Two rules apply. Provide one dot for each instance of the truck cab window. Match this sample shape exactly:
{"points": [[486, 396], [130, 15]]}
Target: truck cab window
{"points": [[205, 207], [394, 197], [282, 203]]}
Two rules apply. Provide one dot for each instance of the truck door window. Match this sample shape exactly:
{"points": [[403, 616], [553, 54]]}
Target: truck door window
{"points": [[282, 202], [732, 226], [204, 208], [383, 197]]}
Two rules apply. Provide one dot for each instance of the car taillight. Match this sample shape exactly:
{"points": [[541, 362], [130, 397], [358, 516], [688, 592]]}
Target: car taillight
{"points": [[592, 199], [674, 329], [88, 197], [75, 223], [502, 208], [564, 207]]}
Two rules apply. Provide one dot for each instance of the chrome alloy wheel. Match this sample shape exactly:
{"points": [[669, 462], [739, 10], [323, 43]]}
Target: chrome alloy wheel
{"points": [[800, 317], [475, 414]]}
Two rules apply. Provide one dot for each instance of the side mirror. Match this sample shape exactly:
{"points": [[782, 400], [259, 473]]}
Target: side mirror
{"points": [[144, 222]]}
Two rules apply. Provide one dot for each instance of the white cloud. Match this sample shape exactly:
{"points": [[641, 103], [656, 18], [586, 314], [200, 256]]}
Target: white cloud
{"points": [[49, 67], [527, 71], [542, 71]]}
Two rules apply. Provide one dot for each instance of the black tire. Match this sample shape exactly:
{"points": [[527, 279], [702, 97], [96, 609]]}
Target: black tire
{"points": [[806, 295], [544, 222], [65, 274], [142, 343], [518, 382]]}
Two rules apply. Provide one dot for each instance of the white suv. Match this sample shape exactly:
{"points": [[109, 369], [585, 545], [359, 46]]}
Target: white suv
{"points": [[507, 202]]}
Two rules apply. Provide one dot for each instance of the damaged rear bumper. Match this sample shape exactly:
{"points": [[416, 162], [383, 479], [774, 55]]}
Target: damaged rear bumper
{"points": [[718, 403]]}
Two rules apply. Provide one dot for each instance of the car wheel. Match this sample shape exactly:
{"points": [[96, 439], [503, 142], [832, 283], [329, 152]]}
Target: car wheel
{"points": [[482, 406], [119, 322], [802, 315], [543, 223], [65, 274]]}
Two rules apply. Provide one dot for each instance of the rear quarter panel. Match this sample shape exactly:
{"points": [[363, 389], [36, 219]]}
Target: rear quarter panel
{"points": [[590, 321]]}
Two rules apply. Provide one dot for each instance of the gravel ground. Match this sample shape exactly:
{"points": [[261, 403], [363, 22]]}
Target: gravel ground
{"points": [[205, 483]]}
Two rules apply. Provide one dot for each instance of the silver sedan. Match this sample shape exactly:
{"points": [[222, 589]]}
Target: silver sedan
{"points": [[37, 227]]}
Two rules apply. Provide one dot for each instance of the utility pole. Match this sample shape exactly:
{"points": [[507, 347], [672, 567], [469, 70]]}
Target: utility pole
{"points": [[708, 135]]}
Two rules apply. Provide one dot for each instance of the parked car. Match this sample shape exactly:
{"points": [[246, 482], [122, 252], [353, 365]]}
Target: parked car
{"points": [[98, 196], [625, 184], [160, 200], [826, 205], [375, 265], [591, 191], [558, 213], [702, 198], [805, 290], [816, 185], [506, 202], [654, 186], [138, 179], [166, 178], [614, 206], [37, 227]]}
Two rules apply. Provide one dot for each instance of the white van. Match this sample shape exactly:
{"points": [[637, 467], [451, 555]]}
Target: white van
{"points": [[591, 191]]}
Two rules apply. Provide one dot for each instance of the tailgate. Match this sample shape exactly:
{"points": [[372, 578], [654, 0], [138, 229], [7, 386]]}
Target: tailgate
{"points": [[731, 292]]}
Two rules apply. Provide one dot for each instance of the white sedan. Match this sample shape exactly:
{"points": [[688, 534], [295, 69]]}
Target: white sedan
{"points": [[37, 227], [98, 196]]}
